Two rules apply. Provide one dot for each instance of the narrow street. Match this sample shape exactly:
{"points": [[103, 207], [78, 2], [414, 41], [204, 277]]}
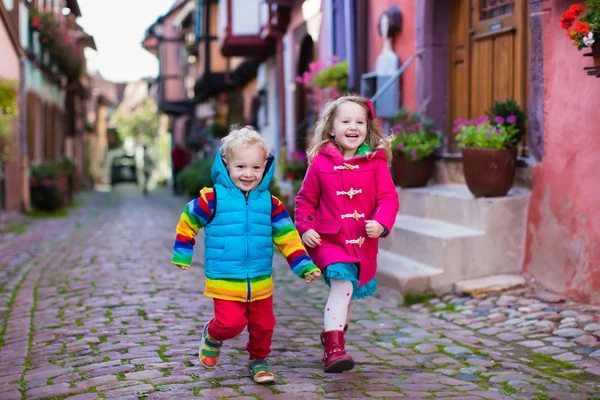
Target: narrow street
{"points": [[92, 308]]}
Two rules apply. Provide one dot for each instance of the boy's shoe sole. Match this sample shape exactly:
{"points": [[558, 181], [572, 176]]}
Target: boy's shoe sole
{"points": [[260, 372], [264, 377]]}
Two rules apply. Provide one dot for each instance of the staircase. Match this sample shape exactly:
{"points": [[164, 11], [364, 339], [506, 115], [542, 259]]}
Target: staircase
{"points": [[443, 235]]}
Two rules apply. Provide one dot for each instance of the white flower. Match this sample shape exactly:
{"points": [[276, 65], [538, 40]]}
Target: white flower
{"points": [[589, 39]]}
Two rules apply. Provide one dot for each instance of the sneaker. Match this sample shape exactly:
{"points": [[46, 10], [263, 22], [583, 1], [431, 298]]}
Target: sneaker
{"points": [[260, 371], [209, 349]]}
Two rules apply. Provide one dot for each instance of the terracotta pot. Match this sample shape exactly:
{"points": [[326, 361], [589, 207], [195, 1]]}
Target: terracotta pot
{"points": [[407, 173], [489, 172]]}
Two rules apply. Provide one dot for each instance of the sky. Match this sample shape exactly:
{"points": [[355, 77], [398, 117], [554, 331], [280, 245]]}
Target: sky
{"points": [[118, 28]]}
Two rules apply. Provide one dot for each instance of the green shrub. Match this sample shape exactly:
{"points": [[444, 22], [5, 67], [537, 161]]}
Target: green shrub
{"points": [[196, 176], [45, 189]]}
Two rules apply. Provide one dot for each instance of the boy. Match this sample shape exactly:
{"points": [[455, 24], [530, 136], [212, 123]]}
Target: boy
{"points": [[241, 221]]}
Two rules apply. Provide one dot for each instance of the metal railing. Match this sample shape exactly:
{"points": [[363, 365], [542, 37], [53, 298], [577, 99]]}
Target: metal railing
{"points": [[397, 74]]}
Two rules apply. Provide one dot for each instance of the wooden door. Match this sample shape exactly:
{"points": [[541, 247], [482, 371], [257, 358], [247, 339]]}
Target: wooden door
{"points": [[488, 57]]}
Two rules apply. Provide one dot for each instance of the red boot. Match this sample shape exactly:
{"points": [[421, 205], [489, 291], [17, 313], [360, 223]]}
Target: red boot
{"points": [[335, 358]]}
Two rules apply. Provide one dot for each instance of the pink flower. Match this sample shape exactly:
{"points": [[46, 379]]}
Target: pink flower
{"points": [[413, 153], [456, 129], [400, 146], [481, 120], [511, 119], [458, 121], [499, 120], [498, 132]]}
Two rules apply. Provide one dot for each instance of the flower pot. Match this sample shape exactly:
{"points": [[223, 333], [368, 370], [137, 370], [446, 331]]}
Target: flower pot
{"points": [[408, 174], [489, 172], [596, 53]]}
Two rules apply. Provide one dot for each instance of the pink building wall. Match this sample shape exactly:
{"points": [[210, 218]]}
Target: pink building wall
{"points": [[563, 237], [170, 60], [9, 70], [9, 67], [405, 44]]}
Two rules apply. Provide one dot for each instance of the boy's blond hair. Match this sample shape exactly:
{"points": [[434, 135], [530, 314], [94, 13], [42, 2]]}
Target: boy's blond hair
{"points": [[242, 138], [324, 128]]}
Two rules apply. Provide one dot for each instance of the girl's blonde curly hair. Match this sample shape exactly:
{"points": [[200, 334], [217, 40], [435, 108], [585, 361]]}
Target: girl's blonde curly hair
{"points": [[324, 128]]}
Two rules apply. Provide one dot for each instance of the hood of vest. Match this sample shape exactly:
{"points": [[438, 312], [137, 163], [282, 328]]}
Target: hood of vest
{"points": [[220, 175]]}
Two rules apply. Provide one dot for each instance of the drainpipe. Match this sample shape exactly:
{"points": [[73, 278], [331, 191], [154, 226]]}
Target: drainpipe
{"points": [[281, 90], [25, 206], [350, 49]]}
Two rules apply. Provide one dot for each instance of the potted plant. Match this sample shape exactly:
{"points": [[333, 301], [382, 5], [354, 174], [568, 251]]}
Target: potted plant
{"points": [[324, 81], [413, 146], [489, 155], [294, 168], [583, 30], [46, 189]]}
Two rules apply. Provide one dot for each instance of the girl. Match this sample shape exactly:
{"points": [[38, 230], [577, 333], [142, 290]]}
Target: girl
{"points": [[346, 203]]}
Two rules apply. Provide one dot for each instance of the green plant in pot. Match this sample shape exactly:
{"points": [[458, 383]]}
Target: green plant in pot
{"points": [[489, 154], [45, 188], [414, 143]]}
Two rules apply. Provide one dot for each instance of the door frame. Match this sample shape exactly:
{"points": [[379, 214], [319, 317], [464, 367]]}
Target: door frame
{"points": [[433, 22]]}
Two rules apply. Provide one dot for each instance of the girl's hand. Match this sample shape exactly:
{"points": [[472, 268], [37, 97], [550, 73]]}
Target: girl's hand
{"points": [[312, 277], [374, 229], [311, 238], [183, 267]]}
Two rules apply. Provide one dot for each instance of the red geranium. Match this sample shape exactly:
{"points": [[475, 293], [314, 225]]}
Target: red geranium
{"points": [[576, 9], [581, 27]]}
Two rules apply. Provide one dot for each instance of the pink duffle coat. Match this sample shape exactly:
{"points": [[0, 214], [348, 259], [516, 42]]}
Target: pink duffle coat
{"points": [[337, 197]]}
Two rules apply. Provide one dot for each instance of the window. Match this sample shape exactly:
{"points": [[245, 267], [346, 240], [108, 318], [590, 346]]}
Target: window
{"points": [[495, 8]]}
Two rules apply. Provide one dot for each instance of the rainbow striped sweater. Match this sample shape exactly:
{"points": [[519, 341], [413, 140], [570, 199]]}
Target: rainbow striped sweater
{"points": [[285, 236]]}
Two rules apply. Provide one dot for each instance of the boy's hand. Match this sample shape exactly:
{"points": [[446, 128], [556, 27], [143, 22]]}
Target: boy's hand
{"points": [[311, 238], [312, 276], [374, 228], [183, 267]]}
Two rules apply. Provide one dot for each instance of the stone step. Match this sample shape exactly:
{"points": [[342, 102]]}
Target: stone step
{"points": [[440, 244], [404, 274], [456, 204]]}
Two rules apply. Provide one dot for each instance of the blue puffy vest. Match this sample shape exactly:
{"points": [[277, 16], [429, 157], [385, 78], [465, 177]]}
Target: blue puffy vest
{"points": [[239, 239]]}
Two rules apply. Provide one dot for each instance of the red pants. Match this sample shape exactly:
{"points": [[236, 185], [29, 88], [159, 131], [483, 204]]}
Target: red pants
{"points": [[231, 317]]}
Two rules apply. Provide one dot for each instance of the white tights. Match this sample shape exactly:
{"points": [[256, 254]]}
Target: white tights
{"points": [[338, 307]]}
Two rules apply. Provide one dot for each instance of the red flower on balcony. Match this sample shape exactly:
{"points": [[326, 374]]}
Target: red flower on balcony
{"points": [[581, 27], [36, 23]]}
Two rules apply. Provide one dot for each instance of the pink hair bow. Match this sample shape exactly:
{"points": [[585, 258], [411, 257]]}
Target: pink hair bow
{"points": [[371, 111]]}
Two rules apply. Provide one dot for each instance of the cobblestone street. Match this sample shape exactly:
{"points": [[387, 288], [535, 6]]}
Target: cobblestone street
{"points": [[92, 308]]}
